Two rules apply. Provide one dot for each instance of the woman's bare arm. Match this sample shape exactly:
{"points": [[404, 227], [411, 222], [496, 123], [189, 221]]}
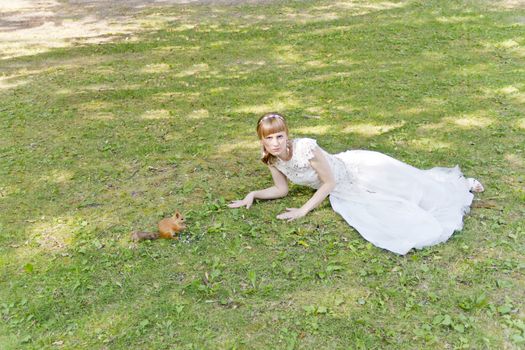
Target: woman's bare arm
{"points": [[322, 168], [278, 190]]}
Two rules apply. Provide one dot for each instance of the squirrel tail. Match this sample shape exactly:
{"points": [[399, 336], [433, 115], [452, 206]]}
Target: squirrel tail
{"points": [[141, 236]]}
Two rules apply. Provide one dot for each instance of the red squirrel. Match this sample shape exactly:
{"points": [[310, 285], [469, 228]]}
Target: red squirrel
{"points": [[168, 228]]}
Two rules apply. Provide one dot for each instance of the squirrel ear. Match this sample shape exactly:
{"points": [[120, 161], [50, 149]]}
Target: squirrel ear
{"points": [[177, 214]]}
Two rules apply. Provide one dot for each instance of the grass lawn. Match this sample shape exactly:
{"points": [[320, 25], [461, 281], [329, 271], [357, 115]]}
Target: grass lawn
{"points": [[99, 140]]}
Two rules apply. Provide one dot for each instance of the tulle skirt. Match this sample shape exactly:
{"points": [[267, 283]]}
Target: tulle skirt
{"points": [[398, 207]]}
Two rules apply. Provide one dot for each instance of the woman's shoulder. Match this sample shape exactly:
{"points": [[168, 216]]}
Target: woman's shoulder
{"points": [[305, 142], [304, 148]]}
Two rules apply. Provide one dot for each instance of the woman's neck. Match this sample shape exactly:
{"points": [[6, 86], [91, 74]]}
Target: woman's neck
{"points": [[288, 152]]}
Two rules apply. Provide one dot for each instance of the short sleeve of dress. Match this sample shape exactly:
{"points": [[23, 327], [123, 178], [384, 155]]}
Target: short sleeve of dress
{"points": [[305, 150]]}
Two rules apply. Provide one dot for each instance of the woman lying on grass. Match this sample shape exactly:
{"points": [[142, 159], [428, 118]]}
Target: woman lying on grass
{"points": [[391, 204]]}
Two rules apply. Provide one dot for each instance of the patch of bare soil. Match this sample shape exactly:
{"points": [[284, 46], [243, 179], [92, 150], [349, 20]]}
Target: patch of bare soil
{"points": [[29, 27], [511, 4]]}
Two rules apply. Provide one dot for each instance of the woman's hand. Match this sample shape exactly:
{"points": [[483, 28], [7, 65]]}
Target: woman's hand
{"points": [[246, 202], [292, 214]]}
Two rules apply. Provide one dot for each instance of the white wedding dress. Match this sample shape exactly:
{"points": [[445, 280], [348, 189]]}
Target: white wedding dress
{"points": [[391, 204]]}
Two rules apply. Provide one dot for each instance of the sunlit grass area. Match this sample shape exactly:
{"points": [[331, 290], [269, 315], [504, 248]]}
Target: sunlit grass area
{"points": [[105, 138]]}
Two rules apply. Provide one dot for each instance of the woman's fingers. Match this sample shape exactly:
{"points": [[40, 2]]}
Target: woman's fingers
{"points": [[239, 203], [290, 214], [235, 204]]}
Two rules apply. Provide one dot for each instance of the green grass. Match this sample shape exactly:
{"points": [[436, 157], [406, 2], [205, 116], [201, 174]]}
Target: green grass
{"points": [[100, 140]]}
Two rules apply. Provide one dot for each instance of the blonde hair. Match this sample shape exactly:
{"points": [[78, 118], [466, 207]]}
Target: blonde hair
{"points": [[268, 124]]}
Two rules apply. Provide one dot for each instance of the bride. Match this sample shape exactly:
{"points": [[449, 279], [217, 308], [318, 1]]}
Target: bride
{"points": [[391, 204]]}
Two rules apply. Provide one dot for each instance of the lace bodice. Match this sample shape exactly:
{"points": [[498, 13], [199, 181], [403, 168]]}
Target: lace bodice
{"points": [[299, 171]]}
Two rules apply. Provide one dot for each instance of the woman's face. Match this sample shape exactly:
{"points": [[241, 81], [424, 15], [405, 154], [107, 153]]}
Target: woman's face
{"points": [[275, 144]]}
